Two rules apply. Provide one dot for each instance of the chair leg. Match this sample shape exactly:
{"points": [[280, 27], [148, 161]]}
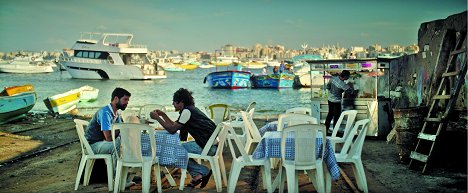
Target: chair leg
{"points": [[217, 174], [118, 177], [169, 177], [291, 179], [320, 179], [88, 170], [222, 168], [266, 177], [123, 179], [80, 171], [183, 175], [158, 177], [146, 177], [360, 175], [282, 176], [233, 176], [110, 174]]}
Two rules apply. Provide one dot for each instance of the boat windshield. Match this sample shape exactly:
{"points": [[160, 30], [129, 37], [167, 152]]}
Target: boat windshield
{"points": [[134, 58]]}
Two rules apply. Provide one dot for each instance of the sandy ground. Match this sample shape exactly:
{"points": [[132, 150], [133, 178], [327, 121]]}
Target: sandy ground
{"points": [[55, 170]]}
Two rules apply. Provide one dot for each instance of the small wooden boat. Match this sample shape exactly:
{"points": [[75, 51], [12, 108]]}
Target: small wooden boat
{"points": [[281, 80], [230, 79], [63, 103], [187, 66], [16, 106], [12, 90], [88, 93]]}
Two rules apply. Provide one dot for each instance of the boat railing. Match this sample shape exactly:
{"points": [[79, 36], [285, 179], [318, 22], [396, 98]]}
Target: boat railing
{"points": [[85, 60], [123, 45]]}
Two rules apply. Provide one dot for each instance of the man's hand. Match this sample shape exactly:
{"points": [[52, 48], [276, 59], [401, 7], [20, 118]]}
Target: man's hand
{"points": [[154, 114]]}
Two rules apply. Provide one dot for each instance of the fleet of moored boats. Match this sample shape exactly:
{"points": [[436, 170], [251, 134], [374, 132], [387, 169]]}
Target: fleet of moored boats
{"points": [[100, 56]]}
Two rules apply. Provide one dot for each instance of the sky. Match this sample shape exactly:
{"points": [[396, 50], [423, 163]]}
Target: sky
{"points": [[207, 25]]}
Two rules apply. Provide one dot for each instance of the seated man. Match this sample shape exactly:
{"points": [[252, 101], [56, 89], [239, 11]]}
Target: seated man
{"points": [[195, 122]]}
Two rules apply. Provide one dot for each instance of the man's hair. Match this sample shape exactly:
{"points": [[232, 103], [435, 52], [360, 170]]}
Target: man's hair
{"points": [[345, 74], [120, 92], [183, 95]]}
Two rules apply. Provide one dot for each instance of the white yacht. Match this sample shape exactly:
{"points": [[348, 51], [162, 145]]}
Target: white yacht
{"points": [[110, 56]]}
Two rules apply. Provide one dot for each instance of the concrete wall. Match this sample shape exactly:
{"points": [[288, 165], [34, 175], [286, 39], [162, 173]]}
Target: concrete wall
{"points": [[415, 78]]}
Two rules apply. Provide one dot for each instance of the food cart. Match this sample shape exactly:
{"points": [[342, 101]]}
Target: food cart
{"points": [[369, 76]]}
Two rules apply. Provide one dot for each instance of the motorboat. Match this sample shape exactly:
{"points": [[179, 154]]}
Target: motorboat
{"points": [[16, 106], [88, 93], [64, 102], [26, 65], [230, 79], [110, 56], [278, 80], [12, 90], [254, 65]]}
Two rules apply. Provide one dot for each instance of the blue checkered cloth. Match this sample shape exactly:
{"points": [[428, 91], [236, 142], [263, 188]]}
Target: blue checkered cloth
{"points": [[270, 147], [169, 149], [271, 126]]}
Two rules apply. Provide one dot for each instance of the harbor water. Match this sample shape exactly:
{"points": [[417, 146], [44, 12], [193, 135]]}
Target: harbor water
{"points": [[270, 102]]}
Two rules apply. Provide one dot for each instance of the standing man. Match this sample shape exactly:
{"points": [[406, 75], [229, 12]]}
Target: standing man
{"points": [[195, 122], [336, 87], [99, 129]]}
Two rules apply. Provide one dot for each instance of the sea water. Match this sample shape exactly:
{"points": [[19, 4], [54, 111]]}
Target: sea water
{"points": [[269, 101]]}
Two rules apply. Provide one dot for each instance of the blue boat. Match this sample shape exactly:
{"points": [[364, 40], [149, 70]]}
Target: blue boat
{"points": [[230, 79], [15, 106], [279, 80]]}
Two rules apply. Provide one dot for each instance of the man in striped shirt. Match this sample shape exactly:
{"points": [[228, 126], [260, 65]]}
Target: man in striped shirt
{"points": [[336, 87]]}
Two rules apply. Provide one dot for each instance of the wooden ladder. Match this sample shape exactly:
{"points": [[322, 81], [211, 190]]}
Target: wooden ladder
{"points": [[436, 119]]}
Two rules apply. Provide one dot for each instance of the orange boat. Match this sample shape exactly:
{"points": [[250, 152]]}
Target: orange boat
{"points": [[12, 90]]}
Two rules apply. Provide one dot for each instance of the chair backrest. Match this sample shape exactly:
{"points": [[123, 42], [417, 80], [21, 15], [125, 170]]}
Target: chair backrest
{"points": [[251, 108], [291, 119], [300, 110], [353, 146], [235, 145], [145, 111], [350, 117], [219, 134], [85, 147], [218, 112], [251, 127], [305, 140], [130, 141]]}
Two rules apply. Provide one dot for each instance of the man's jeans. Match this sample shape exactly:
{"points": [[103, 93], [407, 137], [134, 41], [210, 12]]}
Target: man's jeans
{"points": [[107, 147], [193, 167]]}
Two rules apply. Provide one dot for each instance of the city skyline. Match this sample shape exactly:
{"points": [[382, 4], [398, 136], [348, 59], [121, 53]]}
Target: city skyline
{"points": [[207, 25]]}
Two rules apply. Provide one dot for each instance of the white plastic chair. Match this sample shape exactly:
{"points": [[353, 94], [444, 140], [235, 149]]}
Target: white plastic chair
{"points": [[350, 117], [294, 119], [351, 153], [305, 156], [244, 159], [218, 112], [88, 157], [131, 155], [251, 129], [216, 161], [236, 121], [290, 119], [300, 110]]}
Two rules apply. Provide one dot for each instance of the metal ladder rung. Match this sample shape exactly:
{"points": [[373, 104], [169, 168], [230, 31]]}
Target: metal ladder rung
{"points": [[441, 97], [457, 52], [426, 136], [447, 74], [433, 119], [418, 156]]}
